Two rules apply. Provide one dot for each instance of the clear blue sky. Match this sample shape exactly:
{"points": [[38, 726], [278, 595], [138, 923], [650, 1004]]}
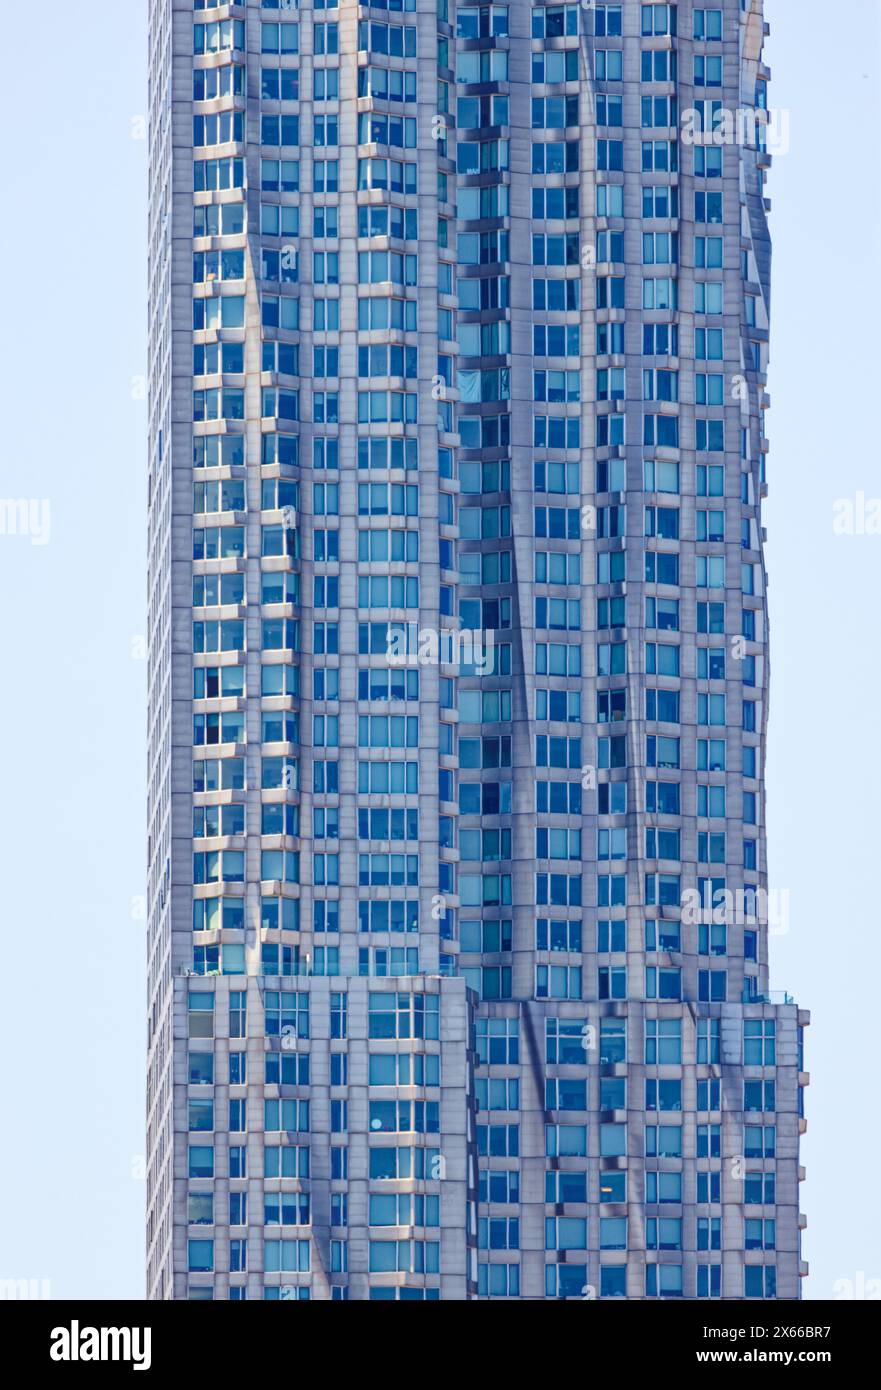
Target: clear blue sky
{"points": [[824, 765], [72, 792], [72, 796]]}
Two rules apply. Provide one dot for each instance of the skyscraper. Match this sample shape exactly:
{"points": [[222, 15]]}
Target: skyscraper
{"points": [[459, 909]]}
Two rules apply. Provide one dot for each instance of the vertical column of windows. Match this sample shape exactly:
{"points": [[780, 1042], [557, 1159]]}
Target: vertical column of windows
{"points": [[558, 190]]}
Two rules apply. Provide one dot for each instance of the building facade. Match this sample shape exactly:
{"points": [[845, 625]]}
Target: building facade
{"points": [[459, 909]]}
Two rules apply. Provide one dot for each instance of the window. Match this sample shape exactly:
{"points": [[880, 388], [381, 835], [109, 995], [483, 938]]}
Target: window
{"points": [[759, 1042], [760, 1281], [658, 19], [399, 41], [221, 36], [607, 21], [708, 25], [279, 38]]}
